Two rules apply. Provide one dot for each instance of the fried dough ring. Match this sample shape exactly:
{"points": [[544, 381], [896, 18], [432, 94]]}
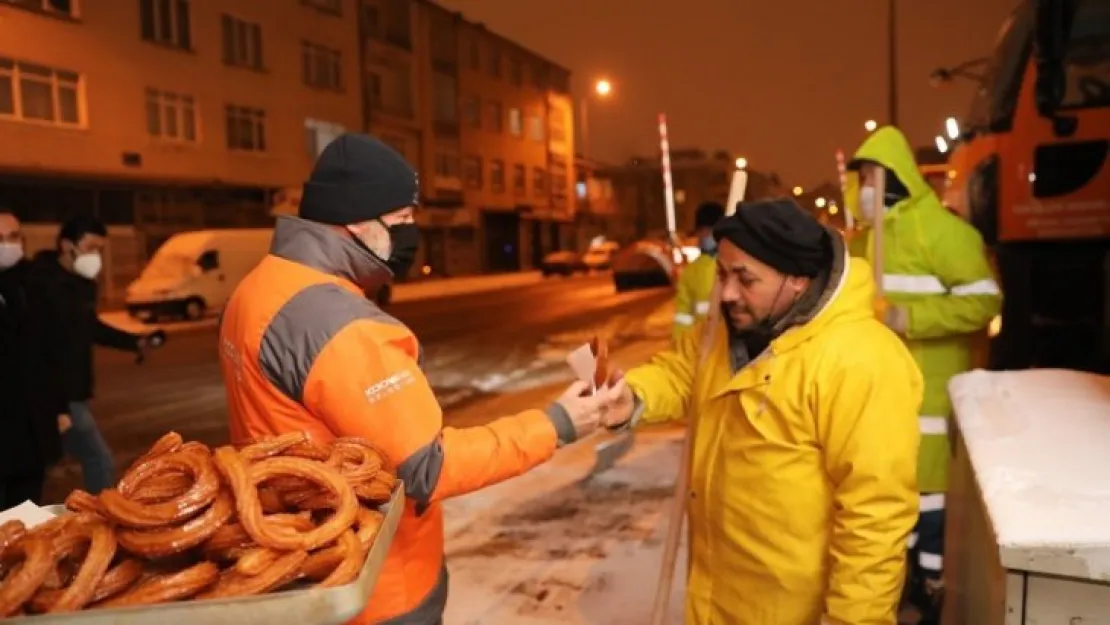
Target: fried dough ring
{"points": [[235, 584], [172, 539], [258, 450], [80, 501], [231, 541], [162, 588], [10, 532], [122, 509], [243, 480], [118, 579], [36, 554], [93, 535], [600, 350], [355, 459]]}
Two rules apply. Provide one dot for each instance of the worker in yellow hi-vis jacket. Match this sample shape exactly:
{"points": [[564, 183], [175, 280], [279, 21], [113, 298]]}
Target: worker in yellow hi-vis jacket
{"points": [[695, 285], [939, 292]]}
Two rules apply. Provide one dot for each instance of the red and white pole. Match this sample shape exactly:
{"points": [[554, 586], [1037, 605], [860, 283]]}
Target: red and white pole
{"points": [[668, 183]]}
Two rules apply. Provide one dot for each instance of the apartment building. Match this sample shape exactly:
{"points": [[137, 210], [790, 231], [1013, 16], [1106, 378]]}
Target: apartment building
{"points": [[488, 124], [168, 115]]}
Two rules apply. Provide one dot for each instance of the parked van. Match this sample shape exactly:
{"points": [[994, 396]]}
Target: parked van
{"points": [[193, 273]]}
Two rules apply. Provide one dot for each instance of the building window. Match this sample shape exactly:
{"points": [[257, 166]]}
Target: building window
{"points": [[334, 7], [539, 77], [246, 128], [171, 116], [166, 22], [374, 90], [475, 53], [495, 116], [320, 67], [495, 61], [520, 182], [516, 72], [242, 42], [497, 175], [539, 181], [445, 96], [516, 122], [39, 93], [560, 181], [535, 128], [318, 134], [472, 111], [447, 169], [60, 7], [472, 172]]}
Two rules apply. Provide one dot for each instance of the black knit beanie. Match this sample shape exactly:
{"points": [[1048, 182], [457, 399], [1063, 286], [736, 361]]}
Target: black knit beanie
{"points": [[358, 178], [780, 234]]}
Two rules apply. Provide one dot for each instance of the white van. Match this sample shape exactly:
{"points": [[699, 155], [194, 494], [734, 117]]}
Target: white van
{"points": [[193, 273]]}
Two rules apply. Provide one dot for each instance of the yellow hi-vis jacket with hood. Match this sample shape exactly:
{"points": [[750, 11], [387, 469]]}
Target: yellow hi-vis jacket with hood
{"points": [[694, 293], [936, 269], [802, 487]]}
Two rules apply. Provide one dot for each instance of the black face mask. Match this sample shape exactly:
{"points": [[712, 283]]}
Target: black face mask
{"points": [[405, 241]]}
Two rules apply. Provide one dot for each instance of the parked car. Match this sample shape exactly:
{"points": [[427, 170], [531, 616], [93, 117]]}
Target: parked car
{"points": [[561, 263], [647, 264]]}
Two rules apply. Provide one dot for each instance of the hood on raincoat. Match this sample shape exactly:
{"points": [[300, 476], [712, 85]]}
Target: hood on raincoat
{"points": [[888, 147]]}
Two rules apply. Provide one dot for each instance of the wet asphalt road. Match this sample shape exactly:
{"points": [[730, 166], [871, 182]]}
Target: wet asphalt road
{"points": [[465, 338]]}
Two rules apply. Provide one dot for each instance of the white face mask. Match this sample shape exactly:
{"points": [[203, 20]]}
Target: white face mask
{"points": [[867, 203], [10, 254], [88, 265]]}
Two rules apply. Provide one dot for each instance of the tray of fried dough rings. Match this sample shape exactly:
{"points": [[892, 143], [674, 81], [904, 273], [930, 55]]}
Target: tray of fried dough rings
{"points": [[282, 530]]}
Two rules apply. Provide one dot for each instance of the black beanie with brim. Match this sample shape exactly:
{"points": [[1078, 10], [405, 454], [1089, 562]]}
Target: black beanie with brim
{"points": [[779, 234], [358, 178]]}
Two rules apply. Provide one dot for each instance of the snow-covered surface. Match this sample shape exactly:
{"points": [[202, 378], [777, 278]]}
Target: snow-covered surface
{"points": [[555, 547], [463, 285], [1038, 442]]}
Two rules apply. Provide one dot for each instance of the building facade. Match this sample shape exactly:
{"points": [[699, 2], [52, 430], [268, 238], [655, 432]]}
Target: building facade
{"points": [[161, 116], [169, 115], [487, 123], [697, 176]]}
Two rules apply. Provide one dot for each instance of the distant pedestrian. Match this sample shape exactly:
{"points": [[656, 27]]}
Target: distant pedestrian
{"points": [[67, 279], [694, 290], [32, 411]]}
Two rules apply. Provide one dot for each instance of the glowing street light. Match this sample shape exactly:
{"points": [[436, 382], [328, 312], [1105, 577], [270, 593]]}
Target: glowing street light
{"points": [[741, 163], [870, 125], [942, 145], [798, 191], [953, 128], [834, 209], [603, 87], [820, 202]]}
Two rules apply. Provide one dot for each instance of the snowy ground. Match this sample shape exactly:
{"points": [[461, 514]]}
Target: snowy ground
{"points": [[556, 546]]}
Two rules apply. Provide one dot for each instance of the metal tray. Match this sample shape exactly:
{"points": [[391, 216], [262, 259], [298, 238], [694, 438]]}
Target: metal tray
{"points": [[309, 606]]}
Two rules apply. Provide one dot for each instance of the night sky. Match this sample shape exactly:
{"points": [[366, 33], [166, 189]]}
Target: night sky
{"points": [[782, 82]]}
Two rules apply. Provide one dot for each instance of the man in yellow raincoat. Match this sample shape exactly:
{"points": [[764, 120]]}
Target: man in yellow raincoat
{"points": [[939, 293], [802, 485], [695, 285]]}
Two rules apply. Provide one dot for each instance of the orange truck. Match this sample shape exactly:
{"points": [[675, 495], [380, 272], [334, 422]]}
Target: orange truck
{"points": [[1032, 173]]}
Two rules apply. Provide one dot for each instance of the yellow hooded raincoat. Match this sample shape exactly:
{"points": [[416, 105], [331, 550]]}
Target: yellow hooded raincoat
{"points": [[935, 267], [694, 293], [802, 489]]}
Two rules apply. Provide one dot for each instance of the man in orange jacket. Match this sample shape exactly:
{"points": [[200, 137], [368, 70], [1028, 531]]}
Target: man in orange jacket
{"points": [[302, 348]]}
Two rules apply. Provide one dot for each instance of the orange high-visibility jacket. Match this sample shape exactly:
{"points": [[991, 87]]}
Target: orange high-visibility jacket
{"points": [[301, 348]]}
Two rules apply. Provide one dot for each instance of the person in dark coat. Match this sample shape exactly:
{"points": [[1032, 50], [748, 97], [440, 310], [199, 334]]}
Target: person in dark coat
{"points": [[32, 411], [67, 279]]}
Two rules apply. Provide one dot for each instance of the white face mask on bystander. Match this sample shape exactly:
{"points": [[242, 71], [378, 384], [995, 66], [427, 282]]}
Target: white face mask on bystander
{"points": [[10, 254], [88, 265]]}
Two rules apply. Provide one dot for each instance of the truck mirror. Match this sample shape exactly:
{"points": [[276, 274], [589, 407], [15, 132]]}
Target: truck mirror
{"points": [[1050, 41]]}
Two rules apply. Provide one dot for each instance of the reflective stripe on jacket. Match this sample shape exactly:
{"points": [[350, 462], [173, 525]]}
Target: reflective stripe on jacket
{"points": [[936, 268], [301, 348], [693, 293], [802, 486]]}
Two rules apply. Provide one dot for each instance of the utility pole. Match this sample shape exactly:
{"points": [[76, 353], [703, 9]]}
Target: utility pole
{"points": [[892, 60]]}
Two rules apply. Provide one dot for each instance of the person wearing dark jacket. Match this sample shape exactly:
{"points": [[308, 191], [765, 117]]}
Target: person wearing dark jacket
{"points": [[67, 278], [31, 410]]}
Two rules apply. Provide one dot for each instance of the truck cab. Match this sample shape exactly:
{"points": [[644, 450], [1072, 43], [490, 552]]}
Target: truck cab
{"points": [[1032, 173]]}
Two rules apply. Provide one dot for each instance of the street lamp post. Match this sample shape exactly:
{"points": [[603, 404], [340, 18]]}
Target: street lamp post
{"points": [[602, 88], [892, 61]]}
